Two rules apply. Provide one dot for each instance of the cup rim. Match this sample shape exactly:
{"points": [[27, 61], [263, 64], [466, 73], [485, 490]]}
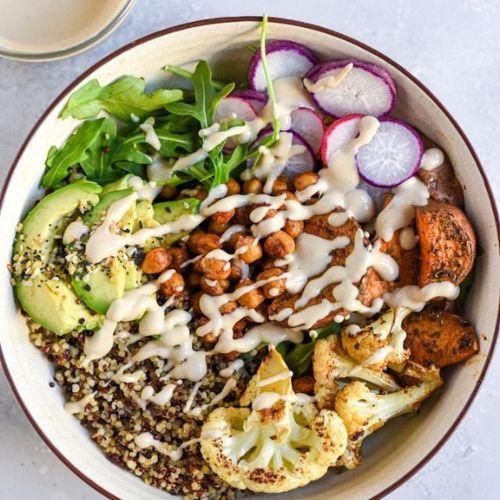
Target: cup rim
{"points": [[291, 22], [102, 33]]}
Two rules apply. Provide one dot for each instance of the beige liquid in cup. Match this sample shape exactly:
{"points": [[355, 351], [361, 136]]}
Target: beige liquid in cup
{"points": [[41, 26]]}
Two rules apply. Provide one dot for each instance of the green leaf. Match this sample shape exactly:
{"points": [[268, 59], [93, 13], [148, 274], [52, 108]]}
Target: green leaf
{"points": [[174, 145], [188, 75], [122, 99], [74, 151], [464, 290], [206, 97], [299, 357]]}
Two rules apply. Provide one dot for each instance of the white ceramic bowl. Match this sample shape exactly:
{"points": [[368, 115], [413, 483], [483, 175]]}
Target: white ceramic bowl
{"points": [[394, 453]]}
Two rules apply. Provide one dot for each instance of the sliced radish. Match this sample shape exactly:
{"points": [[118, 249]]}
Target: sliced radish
{"points": [[366, 88], [255, 98], [298, 164], [284, 59], [377, 194], [339, 133], [309, 125], [235, 107], [392, 156]]}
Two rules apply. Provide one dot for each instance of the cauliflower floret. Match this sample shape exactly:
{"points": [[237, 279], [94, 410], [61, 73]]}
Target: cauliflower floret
{"points": [[380, 342], [282, 443], [364, 411], [331, 362]]}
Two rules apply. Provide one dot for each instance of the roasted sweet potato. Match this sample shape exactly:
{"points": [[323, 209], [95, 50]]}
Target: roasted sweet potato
{"points": [[439, 338], [441, 182], [447, 243]]}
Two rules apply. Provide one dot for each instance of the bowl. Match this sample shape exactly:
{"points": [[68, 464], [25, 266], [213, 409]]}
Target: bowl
{"points": [[392, 454]]}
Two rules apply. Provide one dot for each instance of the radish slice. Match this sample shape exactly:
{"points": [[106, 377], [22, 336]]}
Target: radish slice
{"points": [[284, 59], [309, 125], [255, 98], [377, 194], [298, 164], [339, 133], [235, 107], [365, 88], [392, 156]]}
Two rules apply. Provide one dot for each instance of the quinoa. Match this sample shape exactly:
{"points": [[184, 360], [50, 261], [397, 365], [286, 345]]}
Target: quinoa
{"points": [[115, 417]]}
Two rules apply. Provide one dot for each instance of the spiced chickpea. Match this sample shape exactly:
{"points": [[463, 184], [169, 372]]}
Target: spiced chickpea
{"points": [[168, 192], [202, 243], [252, 298], [195, 302], [156, 261], [223, 217], [231, 356], [173, 286], [213, 287], [201, 193], [216, 228], [215, 269], [290, 196], [281, 184], [233, 187], [278, 245], [210, 338], [303, 385], [253, 251], [234, 272], [242, 216], [252, 186], [239, 328], [294, 228], [273, 288], [228, 307], [302, 181], [178, 255], [193, 279]]}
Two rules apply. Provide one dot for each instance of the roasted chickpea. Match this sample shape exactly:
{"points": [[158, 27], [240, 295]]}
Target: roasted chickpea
{"points": [[210, 338], [168, 192], [234, 272], [239, 327], [251, 299], [303, 385], [253, 250], [223, 217], [156, 261], [231, 356], [213, 287], [294, 228], [173, 286], [195, 302], [201, 193], [202, 243], [252, 186], [302, 181], [193, 279], [290, 196], [242, 216], [216, 228], [178, 255], [279, 244], [281, 184], [233, 187], [273, 288], [228, 307], [215, 269]]}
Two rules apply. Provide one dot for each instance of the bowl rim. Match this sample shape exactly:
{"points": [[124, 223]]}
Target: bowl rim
{"points": [[301, 24]]}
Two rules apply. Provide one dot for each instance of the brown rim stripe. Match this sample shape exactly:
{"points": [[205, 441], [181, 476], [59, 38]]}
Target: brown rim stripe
{"points": [[277, 20]]}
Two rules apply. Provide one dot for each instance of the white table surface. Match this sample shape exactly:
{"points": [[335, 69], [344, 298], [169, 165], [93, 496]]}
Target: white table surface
{"points": [[453, 46]]}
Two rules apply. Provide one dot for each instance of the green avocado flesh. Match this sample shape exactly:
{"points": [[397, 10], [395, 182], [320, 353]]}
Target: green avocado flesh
{"points": [[51, 302]]}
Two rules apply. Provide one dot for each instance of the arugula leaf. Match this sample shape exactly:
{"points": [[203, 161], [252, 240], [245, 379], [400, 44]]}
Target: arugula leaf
{"points": [[205, 94], [174, 145], [188, 75], [464, 290], [299, 357], [121, 99], [74, 151]]}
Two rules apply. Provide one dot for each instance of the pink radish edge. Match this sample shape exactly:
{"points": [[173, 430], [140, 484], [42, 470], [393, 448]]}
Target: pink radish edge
{"points": [[342, 125], [309, 125], [255, 98], [305, 60]]}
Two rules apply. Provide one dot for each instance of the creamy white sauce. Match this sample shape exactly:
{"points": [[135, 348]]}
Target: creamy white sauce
{"points": [[432, 159], [408, 238], [74, 231], [192, 395], [228, 387], [74, 407], [147, 440], [400, 211], [267, 400], [151, 137], [275, 378], [145, 190], [415, 298], [160, 398], [329, 81], [128, 378], [233, 367], [160, 169]]}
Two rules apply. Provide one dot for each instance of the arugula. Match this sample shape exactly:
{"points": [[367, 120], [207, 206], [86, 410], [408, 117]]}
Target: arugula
{"points": [[122, 99], [206, 97], [298, 358], [74, 151], [464, 290], [188, 75]]}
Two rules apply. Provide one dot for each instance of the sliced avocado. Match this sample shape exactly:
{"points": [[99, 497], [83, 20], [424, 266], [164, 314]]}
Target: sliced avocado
{"points": [[51, 302], [169, 211], [117, 185], [100, 209], [133, 276]]}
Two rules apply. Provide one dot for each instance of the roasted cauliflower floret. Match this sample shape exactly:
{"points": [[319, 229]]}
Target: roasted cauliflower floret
{"points": [[282, 443], [364, 411], [331, 362]]}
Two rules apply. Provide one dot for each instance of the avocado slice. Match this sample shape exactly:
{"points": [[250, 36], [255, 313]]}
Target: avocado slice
{"points": [[117, 185], [99, 211], [47, 300]]}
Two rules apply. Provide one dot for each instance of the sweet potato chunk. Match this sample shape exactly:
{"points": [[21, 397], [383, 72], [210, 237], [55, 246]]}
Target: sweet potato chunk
{"points": [[447, 243], [441, 182], [439, 338]]}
